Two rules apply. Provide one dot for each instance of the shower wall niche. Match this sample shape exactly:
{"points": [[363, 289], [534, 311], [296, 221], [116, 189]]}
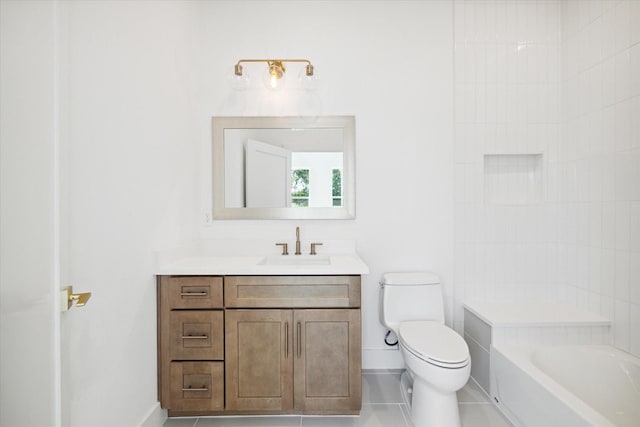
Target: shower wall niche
{"points": [[513, 179]]}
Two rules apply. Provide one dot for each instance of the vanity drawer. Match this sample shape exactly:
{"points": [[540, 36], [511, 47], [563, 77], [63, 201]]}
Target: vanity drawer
{"points": [[197, 386], [292, 291], [195, 292], [196, 335]]}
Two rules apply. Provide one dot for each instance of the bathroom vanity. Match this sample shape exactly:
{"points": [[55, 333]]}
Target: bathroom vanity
{"points": [[276, 339]]}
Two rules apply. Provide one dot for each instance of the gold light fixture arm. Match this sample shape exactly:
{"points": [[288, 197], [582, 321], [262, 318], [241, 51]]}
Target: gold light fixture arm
{"points": [[275, 65]]}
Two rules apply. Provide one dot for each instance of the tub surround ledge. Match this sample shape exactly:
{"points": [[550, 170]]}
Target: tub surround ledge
{"points": [[487, 324]]}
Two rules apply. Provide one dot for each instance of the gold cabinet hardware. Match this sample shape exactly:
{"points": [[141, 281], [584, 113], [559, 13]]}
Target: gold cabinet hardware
{"points": [[286, 340], [195, 337], [68, 298], [299, 340], [194, 294]]}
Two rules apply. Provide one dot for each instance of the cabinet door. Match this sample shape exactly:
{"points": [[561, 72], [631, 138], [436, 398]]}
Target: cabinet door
{"points": [[327, 361], [258, 360]]}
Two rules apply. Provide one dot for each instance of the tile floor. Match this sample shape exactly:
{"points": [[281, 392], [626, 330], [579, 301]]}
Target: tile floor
{"points": [[381, 407]]}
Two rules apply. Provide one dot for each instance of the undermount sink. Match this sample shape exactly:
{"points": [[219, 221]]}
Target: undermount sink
{"points": [[301, 260]]}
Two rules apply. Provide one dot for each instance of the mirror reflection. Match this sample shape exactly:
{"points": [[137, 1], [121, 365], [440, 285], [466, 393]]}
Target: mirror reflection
{"points": [[283, 167]]}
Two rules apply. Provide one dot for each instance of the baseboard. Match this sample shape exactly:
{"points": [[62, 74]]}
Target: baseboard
{"points": [[155, 417], [382, 358]]}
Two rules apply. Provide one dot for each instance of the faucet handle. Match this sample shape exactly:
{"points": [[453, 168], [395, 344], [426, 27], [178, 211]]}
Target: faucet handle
{"points": [[285, 249], [313, 248]]}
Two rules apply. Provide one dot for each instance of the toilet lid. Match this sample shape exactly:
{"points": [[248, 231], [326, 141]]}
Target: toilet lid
{"points": [[435, 343]]}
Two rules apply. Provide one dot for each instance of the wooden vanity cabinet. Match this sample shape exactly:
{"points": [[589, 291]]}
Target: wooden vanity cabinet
{"points": [[190, 343], [292, 344]]}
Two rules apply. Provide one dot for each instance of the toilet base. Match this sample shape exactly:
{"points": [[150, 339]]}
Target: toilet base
{"points": [[406, 387], [429, 407]]}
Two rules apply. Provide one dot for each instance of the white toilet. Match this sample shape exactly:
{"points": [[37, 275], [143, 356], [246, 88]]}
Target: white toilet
{"points": [[437, 358]]}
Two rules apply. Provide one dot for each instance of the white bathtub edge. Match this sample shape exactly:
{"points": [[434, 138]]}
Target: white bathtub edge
{"points": [[520, 356]]}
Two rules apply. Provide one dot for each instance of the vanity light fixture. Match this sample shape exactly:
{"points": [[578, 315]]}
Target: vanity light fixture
{"points": [[275, 72]]}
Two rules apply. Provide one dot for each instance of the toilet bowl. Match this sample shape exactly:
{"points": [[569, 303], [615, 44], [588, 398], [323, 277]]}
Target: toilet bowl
{"points": [[439, 363], [436, 357]]}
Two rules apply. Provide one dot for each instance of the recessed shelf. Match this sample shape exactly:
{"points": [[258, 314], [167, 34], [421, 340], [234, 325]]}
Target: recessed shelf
{"points": [[513, 179]]}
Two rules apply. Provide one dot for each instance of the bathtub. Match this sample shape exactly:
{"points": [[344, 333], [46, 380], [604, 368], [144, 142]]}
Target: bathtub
{"points": [[566, 386]]}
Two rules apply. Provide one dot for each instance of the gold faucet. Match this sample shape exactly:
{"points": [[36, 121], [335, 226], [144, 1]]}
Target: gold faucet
{"points": [[298, 241]]}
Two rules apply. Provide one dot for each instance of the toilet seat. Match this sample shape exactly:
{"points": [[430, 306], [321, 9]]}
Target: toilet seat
{"points": [[434, 343]]}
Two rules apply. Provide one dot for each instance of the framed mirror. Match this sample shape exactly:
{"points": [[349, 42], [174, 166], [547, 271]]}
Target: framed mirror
{"points": [[284, 167]]}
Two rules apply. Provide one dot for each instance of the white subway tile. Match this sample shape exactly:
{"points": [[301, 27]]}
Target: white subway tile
{"points": [[608, 272], [595, 179], [634, 16], [459, 11], [622, 276], [634, 329], [594, 269], [594, 302], [634, 162], [607, 308], [634, 226], [622, 225], [634, 66], [635, 124], [608, 82], [622, 34], [634, 277], [608, 225], [621, 325], [622, 70], [608, 32]]}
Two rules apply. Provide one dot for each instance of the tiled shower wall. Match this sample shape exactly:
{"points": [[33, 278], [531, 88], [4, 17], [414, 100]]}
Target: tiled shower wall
{"points": [[508, 58], [553, 85], [598, 171]]}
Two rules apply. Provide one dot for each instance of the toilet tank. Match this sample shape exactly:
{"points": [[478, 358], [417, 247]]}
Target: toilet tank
{"points": [[410, 296]]}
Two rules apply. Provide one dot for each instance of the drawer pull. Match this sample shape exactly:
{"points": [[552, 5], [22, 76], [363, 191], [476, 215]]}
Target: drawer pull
{"points": [[196, 389], [195, 337], [194, 294]]}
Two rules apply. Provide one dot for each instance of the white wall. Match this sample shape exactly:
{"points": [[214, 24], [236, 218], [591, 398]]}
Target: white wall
{"points": [[390, 65]]}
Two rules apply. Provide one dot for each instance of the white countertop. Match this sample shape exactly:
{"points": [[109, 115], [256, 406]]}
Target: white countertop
{"points": [[534, 314], [259, 257], [345, 264]]}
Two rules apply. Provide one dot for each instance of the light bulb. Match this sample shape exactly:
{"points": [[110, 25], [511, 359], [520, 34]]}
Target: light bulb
{"points": [[274, 75], [308, 82], [239, 82]]}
